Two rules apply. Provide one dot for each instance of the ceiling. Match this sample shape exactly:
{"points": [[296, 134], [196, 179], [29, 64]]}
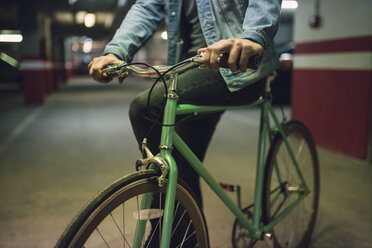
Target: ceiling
{"points": [[64, 15]]}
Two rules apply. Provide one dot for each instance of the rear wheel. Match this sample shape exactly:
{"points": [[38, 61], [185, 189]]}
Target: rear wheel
{"points": [[283, 186], [110, 219]]}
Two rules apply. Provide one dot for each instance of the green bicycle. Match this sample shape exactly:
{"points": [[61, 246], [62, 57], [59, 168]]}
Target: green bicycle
{"points": [[152, 207]]}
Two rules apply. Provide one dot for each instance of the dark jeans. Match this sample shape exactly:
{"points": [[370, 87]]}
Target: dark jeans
{"points": [[196, 86]]}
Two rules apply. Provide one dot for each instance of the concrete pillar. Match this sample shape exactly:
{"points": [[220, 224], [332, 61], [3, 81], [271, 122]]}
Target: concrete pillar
{"points": [[46, 41], [332, 77], [59, 59], [37, 66]]}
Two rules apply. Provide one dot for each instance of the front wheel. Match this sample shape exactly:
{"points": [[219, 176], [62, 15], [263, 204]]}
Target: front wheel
{"points": [[283, 186], [112, 217]]}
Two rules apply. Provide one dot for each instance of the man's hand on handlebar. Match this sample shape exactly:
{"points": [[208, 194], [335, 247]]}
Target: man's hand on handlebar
{"points": [[239, 52], [97, 64], [235, 54]]}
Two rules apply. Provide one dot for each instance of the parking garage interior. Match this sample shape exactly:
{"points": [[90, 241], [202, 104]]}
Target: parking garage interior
{"points": [[64, 137]]}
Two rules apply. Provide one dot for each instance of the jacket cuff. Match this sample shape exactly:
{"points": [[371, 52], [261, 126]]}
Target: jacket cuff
{"points": [[117, 52], [256, 36]]}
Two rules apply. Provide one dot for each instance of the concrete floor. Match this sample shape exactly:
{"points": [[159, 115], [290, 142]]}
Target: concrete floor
{"points": [[54, 158]]}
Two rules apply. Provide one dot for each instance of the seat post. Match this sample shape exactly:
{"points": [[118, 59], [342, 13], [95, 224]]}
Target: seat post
{"points": [[270, 79]]}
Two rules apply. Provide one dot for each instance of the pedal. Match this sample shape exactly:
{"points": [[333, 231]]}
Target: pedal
{"points": [[232, 188]]}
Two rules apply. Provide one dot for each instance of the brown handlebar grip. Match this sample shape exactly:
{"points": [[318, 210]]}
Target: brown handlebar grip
{"points": [[253, 61]]}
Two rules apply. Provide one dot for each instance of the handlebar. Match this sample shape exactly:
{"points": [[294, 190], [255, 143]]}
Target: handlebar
{"points": [[122, 70]]}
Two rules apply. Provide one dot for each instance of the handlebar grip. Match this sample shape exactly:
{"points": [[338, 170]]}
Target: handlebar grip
{"points": [[253, 61]]}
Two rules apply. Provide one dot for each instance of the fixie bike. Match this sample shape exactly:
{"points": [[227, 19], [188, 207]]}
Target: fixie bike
{"points": [[154, 204]]}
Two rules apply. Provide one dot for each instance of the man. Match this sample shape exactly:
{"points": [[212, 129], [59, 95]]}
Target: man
{"points": [[240, 28]]}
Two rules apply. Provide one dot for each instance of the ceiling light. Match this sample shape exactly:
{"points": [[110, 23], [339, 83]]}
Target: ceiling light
{"points": [[80, 17], [10, 60], [289, 4], [90, 20], [64, 17], [11, 37]]}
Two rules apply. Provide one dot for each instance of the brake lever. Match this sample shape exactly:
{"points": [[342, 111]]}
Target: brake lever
{"points": [[119, 71], [115, 70]]}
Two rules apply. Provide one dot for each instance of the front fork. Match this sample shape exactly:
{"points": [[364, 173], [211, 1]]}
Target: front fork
{"points": [[168, 168]]}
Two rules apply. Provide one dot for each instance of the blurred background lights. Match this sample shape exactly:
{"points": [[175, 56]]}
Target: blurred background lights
{"points": [[8, 59], [88, 45], [80, 17], [90, 20], [75, 47], [164, 35], [11, 37], [72, 2], [289, 4]]}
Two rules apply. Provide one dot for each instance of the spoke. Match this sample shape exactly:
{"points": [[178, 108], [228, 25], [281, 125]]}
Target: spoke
{"points": [[178, 223], [188, 237], [300, 149], [184, 237], [175, 212], [138, 210], [252, 242], [276, 189], [153, 232], [139, 216], [100, 234], [279, 207], [160, 229], [122, 234]]}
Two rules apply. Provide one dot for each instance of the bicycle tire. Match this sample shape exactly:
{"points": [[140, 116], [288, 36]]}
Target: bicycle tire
{"points": [[296, 228], [107, 207]]}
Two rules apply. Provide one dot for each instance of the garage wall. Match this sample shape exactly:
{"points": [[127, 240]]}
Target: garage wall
{"points": [[332, 77]]}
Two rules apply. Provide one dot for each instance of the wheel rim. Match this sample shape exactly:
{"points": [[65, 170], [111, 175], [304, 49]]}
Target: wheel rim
{"points": [[108, 225]]}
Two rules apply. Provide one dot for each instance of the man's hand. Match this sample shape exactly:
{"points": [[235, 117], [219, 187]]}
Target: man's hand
{"points": [[239, 51], [98, 63]]}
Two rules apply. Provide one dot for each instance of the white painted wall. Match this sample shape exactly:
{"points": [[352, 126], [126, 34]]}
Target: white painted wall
{"points": [[340, 19]]}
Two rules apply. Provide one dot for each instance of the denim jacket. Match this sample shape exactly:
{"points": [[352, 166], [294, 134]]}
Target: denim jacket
{"points": [[256, 20]]}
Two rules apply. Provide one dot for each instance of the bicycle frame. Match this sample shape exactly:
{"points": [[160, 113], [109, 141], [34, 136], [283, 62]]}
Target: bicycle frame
{"points": [[170, 138]]}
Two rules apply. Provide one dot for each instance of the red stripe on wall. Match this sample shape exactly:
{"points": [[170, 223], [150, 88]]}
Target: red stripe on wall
{"points": [[336, 106], [355, 44]]}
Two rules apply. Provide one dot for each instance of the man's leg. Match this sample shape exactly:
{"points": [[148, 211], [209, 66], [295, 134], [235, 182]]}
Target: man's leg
{"points": [[197, 87], [197, 131]]}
